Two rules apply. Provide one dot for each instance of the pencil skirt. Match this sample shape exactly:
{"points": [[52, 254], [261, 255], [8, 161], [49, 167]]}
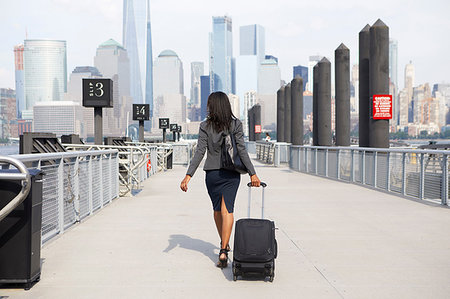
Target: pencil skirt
{"points": [[221, 182]]}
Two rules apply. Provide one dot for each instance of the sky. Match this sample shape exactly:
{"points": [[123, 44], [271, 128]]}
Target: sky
{"points": [[294, 29]]}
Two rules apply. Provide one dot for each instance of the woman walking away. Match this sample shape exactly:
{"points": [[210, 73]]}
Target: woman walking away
{"points": [[222, 184]]}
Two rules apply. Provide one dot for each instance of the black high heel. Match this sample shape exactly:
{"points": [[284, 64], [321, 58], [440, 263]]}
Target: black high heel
{"points": [[223, 263], [228, 246]]}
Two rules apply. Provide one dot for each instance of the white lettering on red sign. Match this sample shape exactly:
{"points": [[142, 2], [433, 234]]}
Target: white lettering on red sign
{"points": [[382, 106], [257, 128]]}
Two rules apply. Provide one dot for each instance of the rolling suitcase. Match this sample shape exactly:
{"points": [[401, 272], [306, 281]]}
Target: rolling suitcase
{"points": [[255, 246]]}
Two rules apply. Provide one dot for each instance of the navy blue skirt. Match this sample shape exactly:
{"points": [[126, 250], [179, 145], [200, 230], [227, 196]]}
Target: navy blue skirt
{"points": [[224, 183]]}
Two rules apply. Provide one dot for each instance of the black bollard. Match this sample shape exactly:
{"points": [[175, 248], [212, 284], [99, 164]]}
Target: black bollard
{"points": [[280, 114], [287, 113], [257, 120], [315, 94], [364, 56], [324, 103], [297, 111], [342, 88], [379, 81]]}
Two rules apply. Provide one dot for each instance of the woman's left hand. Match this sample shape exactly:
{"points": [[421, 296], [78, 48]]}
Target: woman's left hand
{"points": [[185, 182]]}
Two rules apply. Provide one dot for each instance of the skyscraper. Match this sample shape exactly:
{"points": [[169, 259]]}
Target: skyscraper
{"points": [[221, 52], [20, 90], [197, 70], [393, 61], [301, 71], [111, 60], [409, 85], [252, 41], [204, 93], [137, 40], [313, 60], [45, 72], [169, 87]]}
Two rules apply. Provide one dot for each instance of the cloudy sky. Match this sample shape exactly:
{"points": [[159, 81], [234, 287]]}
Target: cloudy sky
{"points": [[295, 29]]}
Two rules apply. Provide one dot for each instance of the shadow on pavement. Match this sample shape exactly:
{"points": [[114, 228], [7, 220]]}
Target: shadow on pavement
{"points": [[201, 246]]}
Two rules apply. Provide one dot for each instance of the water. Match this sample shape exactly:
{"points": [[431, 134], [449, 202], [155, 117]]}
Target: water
{"points": [[6, 150]]}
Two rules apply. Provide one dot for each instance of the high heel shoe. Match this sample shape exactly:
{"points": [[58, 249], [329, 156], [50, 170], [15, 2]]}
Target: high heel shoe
{"points": [[223, 263], [228, 246]]}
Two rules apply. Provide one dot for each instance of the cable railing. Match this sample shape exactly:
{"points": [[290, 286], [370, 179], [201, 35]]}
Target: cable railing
{"points": [[421, 174], [75, 185]]}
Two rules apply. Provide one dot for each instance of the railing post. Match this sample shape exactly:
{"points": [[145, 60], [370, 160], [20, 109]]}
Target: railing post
{"points": [[422, 177], [76, 188], [404, 174], [375, 168], [61, 195], [444, 184], [111, 176], [326, 162], [363, 168], [315, 161], [306, 160], [90, 199], [100, 162], [338, 168], [388, 171], [352, 166], [298, 158]]}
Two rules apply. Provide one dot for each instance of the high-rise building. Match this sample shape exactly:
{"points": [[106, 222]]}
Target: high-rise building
{"points": [[221, 54], [354, 89], [204, 94], [403, 108], [197, 70], [269, 77], [313, 60], [75, 94], [112, 62], [246, 78], [252, 41], [45, 72], [301, 71], [8, 113], [409, 80], [60, 118], [234, 103], [393, 62], [20, 90], [250, 99], [169, 87], [137, 39]]}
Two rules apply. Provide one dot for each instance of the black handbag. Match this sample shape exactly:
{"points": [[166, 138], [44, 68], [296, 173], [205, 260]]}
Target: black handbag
{"points": [[229, 158]]}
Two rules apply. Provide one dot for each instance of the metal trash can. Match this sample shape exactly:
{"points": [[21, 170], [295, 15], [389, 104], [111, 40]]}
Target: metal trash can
{"points": [[20, 230]]}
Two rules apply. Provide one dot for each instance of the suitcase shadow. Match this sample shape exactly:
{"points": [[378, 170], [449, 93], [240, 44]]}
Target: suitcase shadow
{"points": [[207, 249]]}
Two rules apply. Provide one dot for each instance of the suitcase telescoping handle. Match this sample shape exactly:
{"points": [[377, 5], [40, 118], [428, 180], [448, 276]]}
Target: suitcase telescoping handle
{"points": [[264, 185]]}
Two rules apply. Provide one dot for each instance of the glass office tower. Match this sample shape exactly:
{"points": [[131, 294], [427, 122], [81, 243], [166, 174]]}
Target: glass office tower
{"points": [[221, 52], [137, 41], [45, 72]]}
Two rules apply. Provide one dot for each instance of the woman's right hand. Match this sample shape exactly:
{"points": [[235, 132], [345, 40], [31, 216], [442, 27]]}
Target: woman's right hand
{"points": [[185, 182], [255, 181]]}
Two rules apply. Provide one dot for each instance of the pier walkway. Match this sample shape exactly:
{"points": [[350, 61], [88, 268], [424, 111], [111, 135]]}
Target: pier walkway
{"points": [[335, 240]]}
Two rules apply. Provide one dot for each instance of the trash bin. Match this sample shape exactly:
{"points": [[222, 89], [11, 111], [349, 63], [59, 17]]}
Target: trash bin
{"points": [[170, 160], [20, 232]]}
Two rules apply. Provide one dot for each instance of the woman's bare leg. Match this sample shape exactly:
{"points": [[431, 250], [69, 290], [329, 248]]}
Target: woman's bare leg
{"points": [[218, 221], [227, 226]]}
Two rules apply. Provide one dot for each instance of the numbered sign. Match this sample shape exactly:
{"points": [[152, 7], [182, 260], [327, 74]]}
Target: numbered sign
{"points": [[179, 129], [173, 127], [141, 111], [97, 92], [382, 106], [257, 128], [163, 123]]}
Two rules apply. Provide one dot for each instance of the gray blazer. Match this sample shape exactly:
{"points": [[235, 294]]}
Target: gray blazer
{"points": [[211, 140]]}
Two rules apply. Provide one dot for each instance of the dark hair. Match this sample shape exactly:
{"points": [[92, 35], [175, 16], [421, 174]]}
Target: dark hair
{"points": [[219, 111]]}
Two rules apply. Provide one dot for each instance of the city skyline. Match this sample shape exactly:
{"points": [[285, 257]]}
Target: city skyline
{"points": [[417, 27]]}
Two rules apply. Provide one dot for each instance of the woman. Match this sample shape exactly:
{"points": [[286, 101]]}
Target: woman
{"points": [[222, 184]]}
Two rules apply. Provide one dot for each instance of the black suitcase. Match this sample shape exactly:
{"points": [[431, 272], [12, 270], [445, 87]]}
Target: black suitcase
{"points": [[255, 246]]}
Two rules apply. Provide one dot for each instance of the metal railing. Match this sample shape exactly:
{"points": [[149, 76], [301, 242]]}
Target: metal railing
{"points": [[183, 152], [421, 174], [265, 151], [75, 185], [136, 163]]}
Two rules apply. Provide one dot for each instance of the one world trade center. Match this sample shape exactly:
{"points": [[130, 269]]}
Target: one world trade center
{"points": [[137, 39]]}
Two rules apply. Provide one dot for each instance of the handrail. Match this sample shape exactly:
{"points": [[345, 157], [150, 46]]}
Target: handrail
{"points": [[24, 177], [373, 149]]}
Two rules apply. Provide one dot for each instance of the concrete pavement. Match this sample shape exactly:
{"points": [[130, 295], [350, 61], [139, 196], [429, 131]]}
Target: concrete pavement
{"points": [[335, 240]]}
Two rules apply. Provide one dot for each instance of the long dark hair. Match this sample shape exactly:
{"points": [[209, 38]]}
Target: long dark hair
{"points": [[219, 111]]}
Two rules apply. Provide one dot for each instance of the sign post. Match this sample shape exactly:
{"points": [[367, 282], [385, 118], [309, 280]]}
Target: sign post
{"points": [[141, 112], [98, 93], [179, 132], [164, 125], [382, 106], [174, 130]]}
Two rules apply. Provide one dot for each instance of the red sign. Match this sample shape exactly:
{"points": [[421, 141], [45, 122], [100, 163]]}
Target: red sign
{"points": [[257, 128], [382, 106]]}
